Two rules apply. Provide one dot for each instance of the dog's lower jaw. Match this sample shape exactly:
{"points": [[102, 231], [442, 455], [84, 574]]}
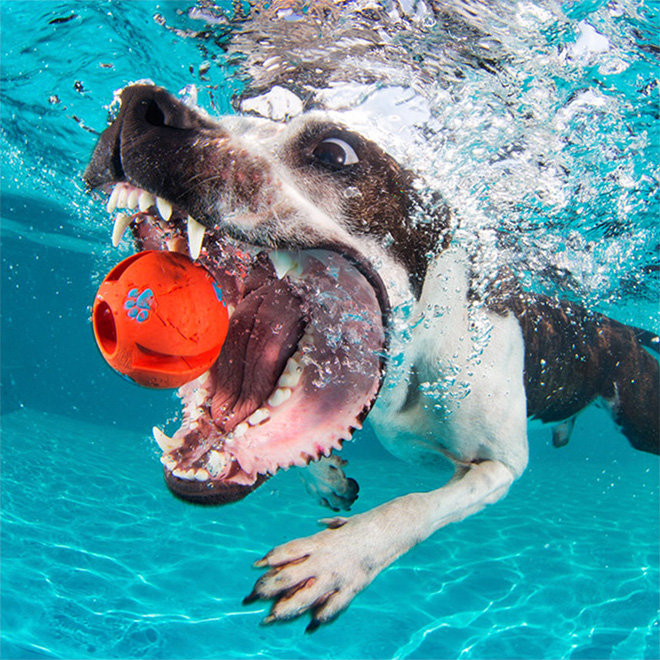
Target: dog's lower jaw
{"points": [[321, 574], [211, 493]]}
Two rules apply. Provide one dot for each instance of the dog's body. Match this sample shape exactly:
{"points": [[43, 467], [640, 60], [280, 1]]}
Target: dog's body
{"points": [[465, 365]]}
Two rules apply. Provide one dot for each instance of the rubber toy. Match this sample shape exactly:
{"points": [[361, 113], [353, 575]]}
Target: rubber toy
{"points": [[160, 319]]}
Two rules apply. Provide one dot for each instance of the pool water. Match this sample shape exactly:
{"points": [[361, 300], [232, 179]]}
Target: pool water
{"points": [[551, 142], [100, 561]]}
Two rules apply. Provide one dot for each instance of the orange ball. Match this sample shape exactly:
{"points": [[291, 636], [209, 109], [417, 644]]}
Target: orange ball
{"points": [[160, 319]]}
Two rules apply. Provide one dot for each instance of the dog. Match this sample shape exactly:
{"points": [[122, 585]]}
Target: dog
{"points": [[348, 298]]}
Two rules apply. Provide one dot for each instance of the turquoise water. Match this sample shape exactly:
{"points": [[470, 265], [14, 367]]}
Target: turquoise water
{"points": [[553, 142]]}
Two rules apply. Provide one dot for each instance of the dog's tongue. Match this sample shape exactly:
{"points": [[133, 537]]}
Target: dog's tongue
{"points": [[264, 332]]}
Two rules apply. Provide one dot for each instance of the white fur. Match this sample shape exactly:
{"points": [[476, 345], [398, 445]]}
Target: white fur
{"points": [[475, 406]]}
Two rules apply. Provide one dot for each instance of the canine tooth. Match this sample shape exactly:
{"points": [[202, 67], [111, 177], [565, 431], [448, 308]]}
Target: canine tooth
{"points": [[164, 208], [145, 201], [195, 237], [121, 222], [258, 416], [112, 202], [132, 199], [166, 443], [288, 380], [292, 366], [279, 396]]}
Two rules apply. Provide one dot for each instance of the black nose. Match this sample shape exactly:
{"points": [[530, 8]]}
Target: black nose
{"points": [[148, 115]]}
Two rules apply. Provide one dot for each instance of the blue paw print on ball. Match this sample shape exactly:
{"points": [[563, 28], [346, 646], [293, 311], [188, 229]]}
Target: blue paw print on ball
{"points": [[139, 304]]}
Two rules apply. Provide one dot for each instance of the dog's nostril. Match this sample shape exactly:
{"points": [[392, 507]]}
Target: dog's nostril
{"points": [[154, 115]]}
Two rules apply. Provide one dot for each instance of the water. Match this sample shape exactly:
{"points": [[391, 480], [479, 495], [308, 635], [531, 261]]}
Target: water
{"points": [[538, 122]]}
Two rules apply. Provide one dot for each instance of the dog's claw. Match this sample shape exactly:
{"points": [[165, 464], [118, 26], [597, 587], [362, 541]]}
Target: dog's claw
{"points": [[312, 626], [333, 523], [252, 597], [320, 574]]}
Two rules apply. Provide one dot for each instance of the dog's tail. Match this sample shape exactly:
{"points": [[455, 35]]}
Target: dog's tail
{"points": [[573, 358]]}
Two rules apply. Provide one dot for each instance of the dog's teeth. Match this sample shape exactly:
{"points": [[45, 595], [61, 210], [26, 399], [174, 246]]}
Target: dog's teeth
{"points": [[166, 443], [168, 462], [121, 222], [240, 430], [164, 208], [258, 416], [112, 202], [215, 463], [177, 244], [122, 195], [289, 380], [202, 475], [145, 201], [132, 199], [279, 396], [195, 237], [283, 263], [188, 475], [292, 374]]}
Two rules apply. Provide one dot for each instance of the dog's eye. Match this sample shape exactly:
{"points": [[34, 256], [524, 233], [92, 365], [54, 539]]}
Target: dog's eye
{"points": [[335, 152]]}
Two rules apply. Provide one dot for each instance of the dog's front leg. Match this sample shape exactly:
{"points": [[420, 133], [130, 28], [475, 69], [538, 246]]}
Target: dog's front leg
{"points": [[322, 573]]}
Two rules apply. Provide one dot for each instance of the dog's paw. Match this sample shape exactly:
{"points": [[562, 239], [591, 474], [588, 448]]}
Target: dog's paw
{"points": [[326, 481], [319, 574]]}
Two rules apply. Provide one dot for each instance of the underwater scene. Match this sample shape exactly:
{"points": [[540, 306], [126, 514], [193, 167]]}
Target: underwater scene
{"points": [[534, 125]]}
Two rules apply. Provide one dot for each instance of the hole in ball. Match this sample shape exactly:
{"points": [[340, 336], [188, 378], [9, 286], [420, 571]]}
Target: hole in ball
{"points": [[104, 325]]}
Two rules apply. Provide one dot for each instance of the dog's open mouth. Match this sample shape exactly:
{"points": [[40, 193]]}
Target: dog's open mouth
{"points": [[300, 367], [303, 358]]}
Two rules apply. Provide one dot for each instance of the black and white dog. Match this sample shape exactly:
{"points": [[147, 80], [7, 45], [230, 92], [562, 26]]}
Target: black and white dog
{"points": [[348, 298]]}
